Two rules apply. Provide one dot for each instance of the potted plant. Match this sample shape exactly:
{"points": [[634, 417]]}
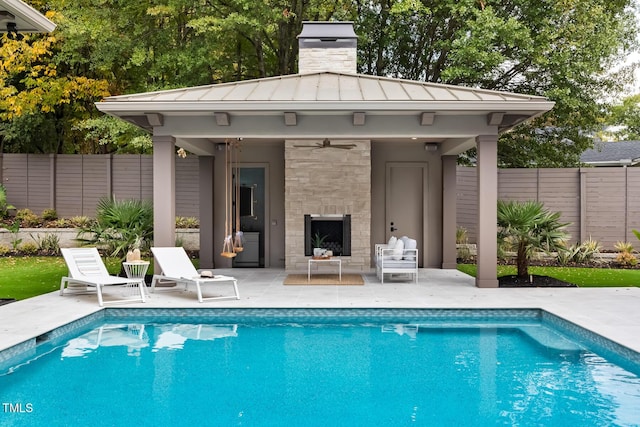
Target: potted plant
{"points": [[316, 241]]}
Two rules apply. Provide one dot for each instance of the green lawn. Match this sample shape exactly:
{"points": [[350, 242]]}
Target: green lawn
{"points": [[26, 277], [583, 277]]}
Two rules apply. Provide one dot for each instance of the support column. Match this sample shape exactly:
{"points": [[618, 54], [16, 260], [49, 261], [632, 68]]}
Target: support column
{"points": [[164, 191], [206, 211], [52, 180], [487, 170], [449, 212]]}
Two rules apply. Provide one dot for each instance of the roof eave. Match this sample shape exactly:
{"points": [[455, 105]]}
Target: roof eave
{"points": [[38, 23], [115, 107], [623, 162]]}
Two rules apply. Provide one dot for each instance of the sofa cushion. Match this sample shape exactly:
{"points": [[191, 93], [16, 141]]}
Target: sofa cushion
{"points": [[398, 250], [392, 242], [398, 264], [410, 255]]}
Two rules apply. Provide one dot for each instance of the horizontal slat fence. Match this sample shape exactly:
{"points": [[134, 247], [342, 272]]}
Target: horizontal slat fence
{"points": [[73, 184], [599, 203]]}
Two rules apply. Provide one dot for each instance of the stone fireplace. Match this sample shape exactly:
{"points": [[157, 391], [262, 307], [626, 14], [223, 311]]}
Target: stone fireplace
{"points": [[330, 184]]}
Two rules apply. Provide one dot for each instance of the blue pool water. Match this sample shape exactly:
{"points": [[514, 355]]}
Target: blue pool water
{"points": [[305, 371]]}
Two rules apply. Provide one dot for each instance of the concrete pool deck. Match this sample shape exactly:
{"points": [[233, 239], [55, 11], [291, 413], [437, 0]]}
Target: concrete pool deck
{"points": [[611, 312]]}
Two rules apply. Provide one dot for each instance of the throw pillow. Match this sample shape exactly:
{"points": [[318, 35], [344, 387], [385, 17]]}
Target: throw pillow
{"points": [[392, 242], [410, 255], [398, 250]]}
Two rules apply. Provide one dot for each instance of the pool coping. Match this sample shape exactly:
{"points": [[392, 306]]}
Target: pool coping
{"points": [[611, 313]]}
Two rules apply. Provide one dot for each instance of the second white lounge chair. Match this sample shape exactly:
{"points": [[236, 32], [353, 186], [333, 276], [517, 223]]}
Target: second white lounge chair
{"points": [[177, 267], [87, 269]]}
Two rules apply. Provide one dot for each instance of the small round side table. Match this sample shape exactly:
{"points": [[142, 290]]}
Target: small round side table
{"points": [[136, 270]]}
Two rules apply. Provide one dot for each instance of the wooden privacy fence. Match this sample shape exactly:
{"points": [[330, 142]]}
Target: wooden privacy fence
{"points": [[601, 203], [73, 184]]}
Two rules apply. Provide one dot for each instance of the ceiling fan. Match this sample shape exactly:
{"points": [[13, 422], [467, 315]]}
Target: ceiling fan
{"points": [[327, 144]]}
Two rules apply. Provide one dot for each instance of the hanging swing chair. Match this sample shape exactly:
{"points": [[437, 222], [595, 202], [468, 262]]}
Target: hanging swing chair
{"points": [[227, 247], [238, 240]]}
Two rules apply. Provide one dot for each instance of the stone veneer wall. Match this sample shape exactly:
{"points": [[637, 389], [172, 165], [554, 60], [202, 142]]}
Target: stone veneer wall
{"points": [[339, 60], [328, 181]]}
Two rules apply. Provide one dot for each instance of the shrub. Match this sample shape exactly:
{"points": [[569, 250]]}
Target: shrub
{"points": [[187, 222], [579, 253], [621, 246], [463, 251], [14, 229], [81, 221], [28, 248], [4, 249], [59, 223], [461, 236], [27, 218], [4, 206], [49, 214], [49, 243], [119, 225], [626, 259], [625, 256]]}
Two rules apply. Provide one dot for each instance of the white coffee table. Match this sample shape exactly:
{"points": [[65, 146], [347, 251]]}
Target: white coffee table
{"points": [[321, 261]]}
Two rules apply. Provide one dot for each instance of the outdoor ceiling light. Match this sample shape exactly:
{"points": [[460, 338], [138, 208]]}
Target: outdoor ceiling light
{"points": [[431, 146]]}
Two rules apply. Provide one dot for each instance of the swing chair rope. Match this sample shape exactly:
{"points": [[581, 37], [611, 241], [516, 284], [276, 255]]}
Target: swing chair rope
{"points": [[227, 249], [237, 243]]}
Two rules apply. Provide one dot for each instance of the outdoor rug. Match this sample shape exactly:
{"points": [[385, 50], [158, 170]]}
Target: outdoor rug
{"points": [[324, 279]]}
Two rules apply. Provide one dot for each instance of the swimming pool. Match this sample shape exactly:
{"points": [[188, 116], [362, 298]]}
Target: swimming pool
{"points": [[321, 367]]}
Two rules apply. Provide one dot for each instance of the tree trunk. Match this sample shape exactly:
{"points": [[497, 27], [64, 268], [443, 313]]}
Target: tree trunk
{"points": [[522, 261]]}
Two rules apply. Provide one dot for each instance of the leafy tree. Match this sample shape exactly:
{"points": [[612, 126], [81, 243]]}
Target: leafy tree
{"points": [[529, 228], [109, 131], [559, 49], [626, 118], [36, 100]]}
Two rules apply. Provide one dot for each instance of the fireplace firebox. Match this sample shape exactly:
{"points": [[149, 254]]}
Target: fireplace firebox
{"points": [[336, 229]]}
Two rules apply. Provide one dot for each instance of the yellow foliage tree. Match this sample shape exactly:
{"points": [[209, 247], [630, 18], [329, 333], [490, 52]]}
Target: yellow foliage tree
{"points": [[30, 85]]}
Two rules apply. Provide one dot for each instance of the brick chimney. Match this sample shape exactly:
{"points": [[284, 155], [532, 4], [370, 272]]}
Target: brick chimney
{"points": [[327, 46]]}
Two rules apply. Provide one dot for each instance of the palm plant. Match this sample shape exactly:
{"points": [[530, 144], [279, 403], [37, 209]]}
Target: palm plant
{"points": [[530, 228], [119, 226], [4, 206]]}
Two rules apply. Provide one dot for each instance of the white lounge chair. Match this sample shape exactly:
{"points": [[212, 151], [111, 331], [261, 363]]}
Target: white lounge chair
{"points": [[86, 268], [176, 266]]}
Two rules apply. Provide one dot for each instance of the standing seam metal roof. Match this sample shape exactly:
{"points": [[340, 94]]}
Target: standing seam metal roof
{"points": [[326, 86]]}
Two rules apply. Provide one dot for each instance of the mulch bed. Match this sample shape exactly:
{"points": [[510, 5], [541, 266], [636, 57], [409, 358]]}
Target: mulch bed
{"points": [[534, 281]]}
